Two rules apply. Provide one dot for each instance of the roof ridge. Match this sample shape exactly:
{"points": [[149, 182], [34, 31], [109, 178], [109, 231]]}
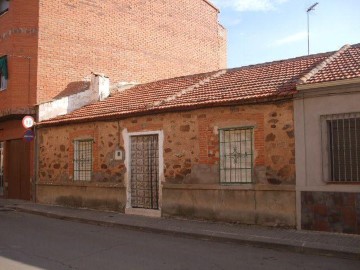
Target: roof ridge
{"points": [[323, 64], [238, 68], [177, 77], [188, 89], [280, 61], [355, 45]]}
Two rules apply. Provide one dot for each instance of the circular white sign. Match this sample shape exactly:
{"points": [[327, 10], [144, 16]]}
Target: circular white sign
{"points": [[28, 121]]}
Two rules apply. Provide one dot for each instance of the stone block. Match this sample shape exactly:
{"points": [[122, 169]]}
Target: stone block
{"points": [[101, 198], [222, 205], [203, 174], [330, 211], [275, 208]]}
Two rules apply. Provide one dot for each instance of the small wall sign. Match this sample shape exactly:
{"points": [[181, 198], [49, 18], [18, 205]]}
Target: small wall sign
{"points": [[29, 135], [119, 155], [28, 122]]}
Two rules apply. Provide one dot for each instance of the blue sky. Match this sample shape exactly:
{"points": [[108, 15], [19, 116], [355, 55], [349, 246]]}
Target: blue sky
{"points": [[266, 30]]}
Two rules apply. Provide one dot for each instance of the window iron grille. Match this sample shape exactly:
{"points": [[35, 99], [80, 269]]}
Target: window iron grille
{"points": [[83, 162], [236, 155], [343, 147]]}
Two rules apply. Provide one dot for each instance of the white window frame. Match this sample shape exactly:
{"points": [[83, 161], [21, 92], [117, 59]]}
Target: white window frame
{"points": [[83, 165], [236, 155], [326, 154]]}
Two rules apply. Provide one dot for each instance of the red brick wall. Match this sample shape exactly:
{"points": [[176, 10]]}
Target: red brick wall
{"points": [[223, 46], [18, 40], [127, 40]]}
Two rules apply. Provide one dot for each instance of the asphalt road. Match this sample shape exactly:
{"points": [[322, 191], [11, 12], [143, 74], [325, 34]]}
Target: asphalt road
{"points": [[34, 242]]}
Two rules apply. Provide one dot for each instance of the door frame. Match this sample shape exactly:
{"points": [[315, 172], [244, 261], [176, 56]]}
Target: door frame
{"points": [[127, 143], [17, 169], [2, 181]]}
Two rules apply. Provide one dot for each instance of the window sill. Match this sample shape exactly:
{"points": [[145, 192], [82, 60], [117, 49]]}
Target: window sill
{"points": [[342, 183], [82, 184], [229, 187]]}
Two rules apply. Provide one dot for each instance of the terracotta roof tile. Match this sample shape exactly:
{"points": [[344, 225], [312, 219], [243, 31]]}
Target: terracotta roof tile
{"points": [[269, 80], [344, 65]]}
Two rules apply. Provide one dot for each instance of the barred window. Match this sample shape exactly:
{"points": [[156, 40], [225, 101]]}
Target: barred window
{"points": [[343, 143], [236, 155], [83, 161]]}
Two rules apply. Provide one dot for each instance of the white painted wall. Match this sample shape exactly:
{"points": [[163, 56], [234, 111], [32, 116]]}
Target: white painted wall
{"points": [[309, 105], [308, 144], [99, 90], [100, 86]]}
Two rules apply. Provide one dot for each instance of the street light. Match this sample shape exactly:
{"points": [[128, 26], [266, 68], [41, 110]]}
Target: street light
{"points": [[308, 24]]}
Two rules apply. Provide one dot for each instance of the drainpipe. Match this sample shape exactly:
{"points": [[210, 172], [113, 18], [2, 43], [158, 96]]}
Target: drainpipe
{"points": [[36, 155]]}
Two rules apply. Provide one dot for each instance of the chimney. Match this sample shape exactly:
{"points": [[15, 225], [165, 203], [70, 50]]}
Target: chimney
{"points": [[100, 86]]}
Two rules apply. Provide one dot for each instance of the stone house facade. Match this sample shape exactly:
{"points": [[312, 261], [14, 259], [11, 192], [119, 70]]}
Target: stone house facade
{"points": [[217, 146], [48, 49], [190, 176]]}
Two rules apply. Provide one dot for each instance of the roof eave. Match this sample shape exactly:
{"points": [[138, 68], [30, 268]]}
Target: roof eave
{"points": [[272, 98], [301, 87]]}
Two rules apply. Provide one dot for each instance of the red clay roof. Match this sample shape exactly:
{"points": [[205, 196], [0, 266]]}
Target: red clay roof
{"points": [[272, 80], [345, 64]]}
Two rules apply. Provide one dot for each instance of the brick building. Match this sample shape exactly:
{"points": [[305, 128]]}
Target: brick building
{"points": [[48, 48], [217, 145]]}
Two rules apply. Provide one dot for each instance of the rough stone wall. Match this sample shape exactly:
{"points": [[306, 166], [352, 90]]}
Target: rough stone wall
{"points": [[128, 41], [56, 168], [57, 151], [330, 211], [191, 157]]}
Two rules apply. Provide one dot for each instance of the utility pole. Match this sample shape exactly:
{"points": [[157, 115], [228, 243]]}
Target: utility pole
{"points": [[308, 23]]}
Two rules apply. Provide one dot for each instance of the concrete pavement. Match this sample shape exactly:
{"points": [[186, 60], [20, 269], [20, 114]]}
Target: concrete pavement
{"points": [[316, 243]]}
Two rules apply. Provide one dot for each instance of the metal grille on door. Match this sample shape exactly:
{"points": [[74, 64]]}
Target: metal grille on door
{"points": [[145, 172]]}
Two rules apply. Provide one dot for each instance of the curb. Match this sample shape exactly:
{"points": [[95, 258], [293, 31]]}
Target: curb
{"points": [[201, 236]]}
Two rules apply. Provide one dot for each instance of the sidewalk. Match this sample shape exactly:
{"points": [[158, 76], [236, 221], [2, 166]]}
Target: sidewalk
{"points": [[317, 243]]}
